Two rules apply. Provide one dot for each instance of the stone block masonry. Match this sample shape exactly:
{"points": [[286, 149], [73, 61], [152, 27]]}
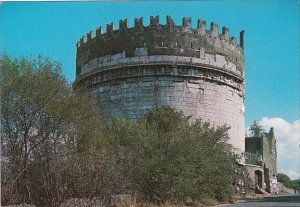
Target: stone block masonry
{"points": [[198, 71]]}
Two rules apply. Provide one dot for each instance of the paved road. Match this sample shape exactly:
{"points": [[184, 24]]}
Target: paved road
{"points": [[276, 201]]}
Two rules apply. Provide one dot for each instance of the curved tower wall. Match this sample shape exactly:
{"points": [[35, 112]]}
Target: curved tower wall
{"points": [[197, 71]]}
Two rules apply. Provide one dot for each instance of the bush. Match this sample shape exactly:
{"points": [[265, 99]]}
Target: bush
{"points": [[163, 157]]}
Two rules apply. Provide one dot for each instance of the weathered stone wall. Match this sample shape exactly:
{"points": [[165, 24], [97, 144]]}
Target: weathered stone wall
{"points": [[253, 179], [198, 98], [198, 71], [264, 150], [270, 154], [102, 63]]}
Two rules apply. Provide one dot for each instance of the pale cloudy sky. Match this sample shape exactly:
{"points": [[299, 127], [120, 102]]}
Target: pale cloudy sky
{"points": [[287, 135]]}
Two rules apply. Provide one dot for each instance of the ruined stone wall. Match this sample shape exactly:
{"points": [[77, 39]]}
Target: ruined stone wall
{"points": [[200, 72], [264, 147], [253, 179], [270, 153], [264, 150]]}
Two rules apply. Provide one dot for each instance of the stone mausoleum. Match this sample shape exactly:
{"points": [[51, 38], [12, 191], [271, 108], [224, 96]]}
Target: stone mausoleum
{"points": [[200, 71]]}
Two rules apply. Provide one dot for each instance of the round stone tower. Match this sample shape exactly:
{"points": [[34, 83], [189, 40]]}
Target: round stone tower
{"points": [[197, 71]]}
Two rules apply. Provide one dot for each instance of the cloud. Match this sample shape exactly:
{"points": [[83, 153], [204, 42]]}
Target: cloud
{"points": [[288, 139]]}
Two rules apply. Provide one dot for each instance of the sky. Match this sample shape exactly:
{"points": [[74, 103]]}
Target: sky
{"points": [[272, 48]]}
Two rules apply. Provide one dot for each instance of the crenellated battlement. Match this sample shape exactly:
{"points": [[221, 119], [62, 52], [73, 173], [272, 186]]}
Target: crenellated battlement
{"points": [[161, 39], [154, 22]]}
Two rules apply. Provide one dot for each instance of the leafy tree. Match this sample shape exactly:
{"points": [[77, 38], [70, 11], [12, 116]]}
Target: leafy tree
{"points": [[42, 122], [296, 184], [29, 91], [283, 178], [257, 129]]}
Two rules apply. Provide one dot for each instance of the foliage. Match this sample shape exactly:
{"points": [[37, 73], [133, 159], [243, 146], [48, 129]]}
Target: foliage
{"points": [[42, 122], [296, 184], [57, 146], [283, 178], [257, 129], [164, 157]]}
